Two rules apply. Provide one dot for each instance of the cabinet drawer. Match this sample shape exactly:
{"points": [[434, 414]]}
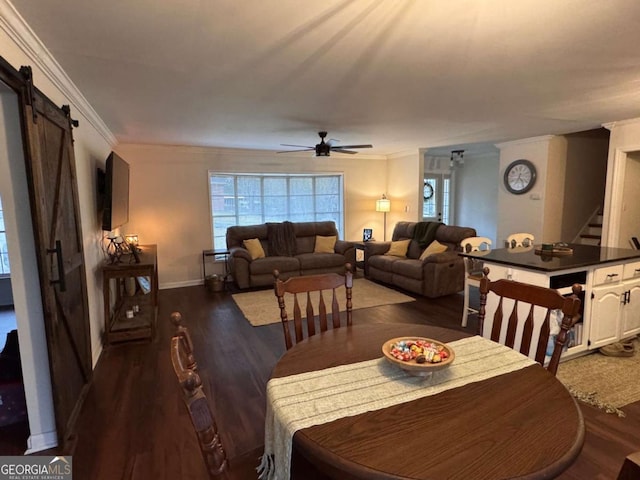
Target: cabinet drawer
{"points": [[631, 270], [606, 275]]}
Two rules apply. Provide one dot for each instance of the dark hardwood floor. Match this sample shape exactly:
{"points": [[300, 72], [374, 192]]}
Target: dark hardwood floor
{"points": [[134, 425]]}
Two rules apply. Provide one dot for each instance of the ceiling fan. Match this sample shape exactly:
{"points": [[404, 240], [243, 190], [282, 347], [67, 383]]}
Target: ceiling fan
{"points": [[324, 149]]}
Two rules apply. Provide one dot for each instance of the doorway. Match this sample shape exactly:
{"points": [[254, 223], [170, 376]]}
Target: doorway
{"points": [[436, 204], [20, 296]]}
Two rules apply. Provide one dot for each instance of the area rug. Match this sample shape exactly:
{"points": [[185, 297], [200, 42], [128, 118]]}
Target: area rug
{"points": [[261, 307], [608, 383]]}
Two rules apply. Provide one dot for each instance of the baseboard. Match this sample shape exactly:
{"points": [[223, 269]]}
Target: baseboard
{"points": [[41, 441], [187, 283]]}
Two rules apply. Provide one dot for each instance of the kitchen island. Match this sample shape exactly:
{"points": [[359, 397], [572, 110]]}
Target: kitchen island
{"points": [[610, 279]]}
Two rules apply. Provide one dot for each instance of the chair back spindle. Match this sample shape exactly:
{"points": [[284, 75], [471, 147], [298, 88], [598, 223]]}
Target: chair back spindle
{"points": [[310, 286]]}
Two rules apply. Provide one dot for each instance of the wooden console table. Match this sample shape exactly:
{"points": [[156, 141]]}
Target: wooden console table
{"points": [[131, 314]]}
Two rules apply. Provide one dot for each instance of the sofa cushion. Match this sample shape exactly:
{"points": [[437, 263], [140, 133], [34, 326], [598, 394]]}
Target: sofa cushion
{"points": [[255, 248], [383, 262], [451, 236], [325, 244], [403, 230], [237, 233], [306, 234], [399, 248], [268, 264], [434, 247], [408, 267], [314, 261]]}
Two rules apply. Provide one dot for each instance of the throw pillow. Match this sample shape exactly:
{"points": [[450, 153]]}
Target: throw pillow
{"points": [[399, 248], [434, 247], [255, 248], [325, 244]]}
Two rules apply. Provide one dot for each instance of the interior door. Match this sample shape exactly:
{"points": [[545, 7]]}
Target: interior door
{"points": [[58, 238]]}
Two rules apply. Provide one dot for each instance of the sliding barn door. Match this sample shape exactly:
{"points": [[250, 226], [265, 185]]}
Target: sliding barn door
{"points": [[58, 238]]}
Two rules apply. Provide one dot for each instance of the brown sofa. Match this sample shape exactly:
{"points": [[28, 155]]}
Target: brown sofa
{"points": [[259, 272], [437, 275]]}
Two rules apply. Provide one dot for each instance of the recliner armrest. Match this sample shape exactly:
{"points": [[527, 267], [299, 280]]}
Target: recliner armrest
{"points": [[443, 257]]}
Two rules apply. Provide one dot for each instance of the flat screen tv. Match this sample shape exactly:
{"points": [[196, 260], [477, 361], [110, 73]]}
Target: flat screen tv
{"points": [[113, 185]]}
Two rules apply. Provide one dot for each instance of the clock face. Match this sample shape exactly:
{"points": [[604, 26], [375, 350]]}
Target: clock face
{"points": [[520, 177]]}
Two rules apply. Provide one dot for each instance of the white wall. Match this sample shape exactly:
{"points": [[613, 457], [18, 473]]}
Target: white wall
{"points": [[624, 141], [554, 182], [404, 189], [477, 194], [92, 145], [522, 213], [169, 202]]}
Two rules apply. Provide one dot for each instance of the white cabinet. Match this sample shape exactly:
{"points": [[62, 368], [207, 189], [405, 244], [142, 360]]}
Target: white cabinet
{"points": [[630, 321], [606, 303], [615, 309]]}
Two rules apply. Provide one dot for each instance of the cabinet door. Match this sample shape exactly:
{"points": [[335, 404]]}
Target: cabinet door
{"points": [[631, 310], [606, 309]]}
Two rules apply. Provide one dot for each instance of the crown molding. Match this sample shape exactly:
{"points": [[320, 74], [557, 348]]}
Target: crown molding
{"points": [[619, 123], [12, 23]]}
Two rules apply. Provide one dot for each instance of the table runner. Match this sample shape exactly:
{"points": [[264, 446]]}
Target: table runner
{"points": [[312, 398]]}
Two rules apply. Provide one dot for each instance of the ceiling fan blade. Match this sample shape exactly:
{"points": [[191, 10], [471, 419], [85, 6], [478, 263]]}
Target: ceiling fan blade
{"points": [[352, 146], [289, 145], [342, 150], [303, 150]]}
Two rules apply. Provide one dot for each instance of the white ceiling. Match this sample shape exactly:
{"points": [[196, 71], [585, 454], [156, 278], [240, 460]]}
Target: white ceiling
{"points": [[400, 74]]}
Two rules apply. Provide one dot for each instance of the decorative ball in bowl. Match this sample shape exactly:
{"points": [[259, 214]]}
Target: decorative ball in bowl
{"points": [[418, 355]]}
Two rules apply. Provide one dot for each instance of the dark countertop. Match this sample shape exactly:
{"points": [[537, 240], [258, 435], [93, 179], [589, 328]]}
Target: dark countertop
{"points": [[583, 256]]}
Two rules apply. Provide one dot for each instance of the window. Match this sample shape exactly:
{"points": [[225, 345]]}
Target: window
{"points": [[4, 254], [250, 199]]}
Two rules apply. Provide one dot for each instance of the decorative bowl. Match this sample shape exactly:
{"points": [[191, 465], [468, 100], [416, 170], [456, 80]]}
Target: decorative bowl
{"points": [[412, 366]]}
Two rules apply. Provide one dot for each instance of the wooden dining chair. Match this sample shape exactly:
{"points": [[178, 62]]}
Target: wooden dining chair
{"points": [[307, 285], [473, 270], [520, 240], [534, 299], [630, 468], [215, 458], [182, 332]]}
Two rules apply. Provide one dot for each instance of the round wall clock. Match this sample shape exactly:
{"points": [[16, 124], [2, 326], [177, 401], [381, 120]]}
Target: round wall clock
{"points": [[520, 176], [427, 191]]}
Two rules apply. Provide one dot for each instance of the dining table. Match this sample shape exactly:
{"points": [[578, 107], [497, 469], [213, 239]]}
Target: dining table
{"points": [[491, 414]]}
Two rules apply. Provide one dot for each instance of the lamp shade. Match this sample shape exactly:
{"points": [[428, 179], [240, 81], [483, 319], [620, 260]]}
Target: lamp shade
{"points": [[383, 205]]}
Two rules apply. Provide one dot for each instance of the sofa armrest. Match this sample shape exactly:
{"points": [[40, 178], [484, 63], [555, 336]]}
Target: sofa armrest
{"points": [[239, 262], [342, 246], [443, 257], [240, 252], [376, 248]]}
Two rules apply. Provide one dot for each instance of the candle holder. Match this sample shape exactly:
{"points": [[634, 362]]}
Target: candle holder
{"points": [[115, 249]]}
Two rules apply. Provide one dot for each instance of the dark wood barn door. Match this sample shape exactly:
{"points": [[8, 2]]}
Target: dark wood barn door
{"points": [[58, 237]]}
